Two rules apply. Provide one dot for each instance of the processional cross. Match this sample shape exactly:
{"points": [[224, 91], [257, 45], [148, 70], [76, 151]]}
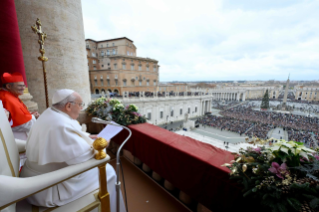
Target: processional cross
{"points": [[37, 29]]}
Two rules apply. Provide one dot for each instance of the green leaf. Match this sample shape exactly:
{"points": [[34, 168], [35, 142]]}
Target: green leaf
{"points": [[314, 203], [247, 193]]}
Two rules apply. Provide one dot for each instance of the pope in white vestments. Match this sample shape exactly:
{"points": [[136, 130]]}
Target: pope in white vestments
{"points": [[56, 141]]}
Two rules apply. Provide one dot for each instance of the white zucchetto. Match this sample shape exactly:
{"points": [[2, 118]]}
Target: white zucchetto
{"points": [[61, 94]]}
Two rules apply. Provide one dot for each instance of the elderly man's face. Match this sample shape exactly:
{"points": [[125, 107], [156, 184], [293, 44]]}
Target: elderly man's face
{"points": [[16, 88], [74, 108]]}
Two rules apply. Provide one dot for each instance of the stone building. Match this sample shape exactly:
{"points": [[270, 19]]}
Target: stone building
{"points": [[173, 87], [306, 93], [113, 66], [161, 110]]}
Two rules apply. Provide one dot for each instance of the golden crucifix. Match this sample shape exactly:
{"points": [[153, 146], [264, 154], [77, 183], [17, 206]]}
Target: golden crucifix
{"points": [[42, 36]]}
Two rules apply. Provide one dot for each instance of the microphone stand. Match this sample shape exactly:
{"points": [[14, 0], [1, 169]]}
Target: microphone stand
{"points": [[117, 183]]}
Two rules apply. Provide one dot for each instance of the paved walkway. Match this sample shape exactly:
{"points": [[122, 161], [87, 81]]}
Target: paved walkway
{"points": [[278, 133], [224, 135]]}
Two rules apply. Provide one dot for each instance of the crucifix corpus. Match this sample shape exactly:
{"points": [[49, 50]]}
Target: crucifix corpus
{"points": [[42, 36]]}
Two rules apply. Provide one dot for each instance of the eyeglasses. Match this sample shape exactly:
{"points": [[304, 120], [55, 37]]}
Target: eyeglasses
{"points": [[82, 104]]}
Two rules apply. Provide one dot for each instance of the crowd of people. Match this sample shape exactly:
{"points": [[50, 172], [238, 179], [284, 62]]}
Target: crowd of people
{"points": [[243, 119]]}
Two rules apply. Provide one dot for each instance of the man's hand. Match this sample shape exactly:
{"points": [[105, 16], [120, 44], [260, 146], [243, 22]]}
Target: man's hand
{"points": [[7, 113], [93, 137], [36, 114]]}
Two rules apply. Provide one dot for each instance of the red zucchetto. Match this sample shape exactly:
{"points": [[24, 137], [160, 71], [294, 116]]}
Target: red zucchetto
{"points": [[10, 78]]}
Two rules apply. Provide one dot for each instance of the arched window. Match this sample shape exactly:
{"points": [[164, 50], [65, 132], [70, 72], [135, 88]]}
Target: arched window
{"points": [[116, 91], [97, 91]]}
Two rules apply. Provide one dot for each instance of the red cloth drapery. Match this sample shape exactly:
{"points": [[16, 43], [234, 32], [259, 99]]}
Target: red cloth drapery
{"points": [[192, 166], [11, 56]]}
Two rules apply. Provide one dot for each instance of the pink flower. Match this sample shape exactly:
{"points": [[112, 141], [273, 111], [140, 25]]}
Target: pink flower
{"points": [[317, 157], [136, 114], [258, 150], [280, 171]]}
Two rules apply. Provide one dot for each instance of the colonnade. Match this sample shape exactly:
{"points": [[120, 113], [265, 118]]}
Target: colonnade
{"points": [[232, 96], [205, 106]]}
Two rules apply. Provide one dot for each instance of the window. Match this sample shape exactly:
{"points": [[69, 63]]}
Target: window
{"points": [[124, 67], [147, 83], [128, 53], [108, 82], [115, 82], [161, 114], [124, 83], [115, 66], [102, 53], [107, 45], [195, 109], [95, 82], [147, 68], [94, 68], [102, 65], [102, 83], [131, 53], [140, 83], [94, 61], [133, 83], [154, 68], [93, 54], [189, 110], [149, 116], [140, 67], [132, 67], [154, 83], [101, 46], [181, 112], [172, 113], [107, 52], [114, 51], [113, 44]]}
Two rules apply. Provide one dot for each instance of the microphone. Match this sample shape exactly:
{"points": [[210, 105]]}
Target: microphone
{"points": [[118, 183]]}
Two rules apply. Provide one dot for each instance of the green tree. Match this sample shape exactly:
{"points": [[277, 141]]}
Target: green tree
{"points": [[265, 101]]}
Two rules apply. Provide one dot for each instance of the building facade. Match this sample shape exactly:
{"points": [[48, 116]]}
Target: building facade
{"points": [[306, 93], [113, 66]]}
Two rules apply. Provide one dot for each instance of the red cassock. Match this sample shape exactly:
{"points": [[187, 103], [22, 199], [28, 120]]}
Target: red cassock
{"points": [[18, 111]]}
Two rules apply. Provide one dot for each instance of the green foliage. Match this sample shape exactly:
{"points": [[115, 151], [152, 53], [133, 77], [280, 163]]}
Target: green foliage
{"points": [[309, 169], [265, 101], [112, 109], [279, 192]]}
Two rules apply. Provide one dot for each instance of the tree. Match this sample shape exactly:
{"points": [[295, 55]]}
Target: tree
{"points": [[265, 101]]}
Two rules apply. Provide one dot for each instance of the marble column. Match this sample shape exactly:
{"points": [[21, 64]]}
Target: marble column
{"points": [[62, 21]]}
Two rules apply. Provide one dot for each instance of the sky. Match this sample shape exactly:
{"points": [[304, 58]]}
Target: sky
{"points": [[215, 40]]}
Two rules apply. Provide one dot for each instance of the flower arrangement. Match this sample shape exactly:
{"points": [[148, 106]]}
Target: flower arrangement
{"points": [[113, 109], [284, 177]]}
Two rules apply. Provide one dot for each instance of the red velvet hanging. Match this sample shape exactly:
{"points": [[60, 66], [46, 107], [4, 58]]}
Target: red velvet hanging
{"points": [[11, 56]]}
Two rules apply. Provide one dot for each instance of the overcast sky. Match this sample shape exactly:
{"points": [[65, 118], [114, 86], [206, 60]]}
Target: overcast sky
{"points": [[215, 39]]}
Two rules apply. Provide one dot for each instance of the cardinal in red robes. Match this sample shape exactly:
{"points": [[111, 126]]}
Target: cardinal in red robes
{"points": [[21, 119]]}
